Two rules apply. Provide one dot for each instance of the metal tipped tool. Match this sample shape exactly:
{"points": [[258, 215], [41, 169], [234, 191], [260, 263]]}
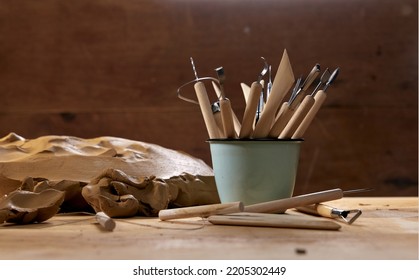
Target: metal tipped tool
{"points": [[323, 79], [221, 78], [331, 79]]}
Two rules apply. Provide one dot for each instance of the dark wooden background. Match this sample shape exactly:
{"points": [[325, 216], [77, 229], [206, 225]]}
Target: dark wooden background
{"points": [[95, 68]]}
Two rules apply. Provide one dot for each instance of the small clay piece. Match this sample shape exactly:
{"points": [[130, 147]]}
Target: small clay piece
{"points": [[105, 221], [25, 207]]}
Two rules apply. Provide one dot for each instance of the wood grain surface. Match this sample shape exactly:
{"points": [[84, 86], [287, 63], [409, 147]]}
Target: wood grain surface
{"points": [[98, 68], [386, 230]]}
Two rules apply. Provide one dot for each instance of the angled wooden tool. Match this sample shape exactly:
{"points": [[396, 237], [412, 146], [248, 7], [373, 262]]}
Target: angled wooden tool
{"points": [[282, 83]]}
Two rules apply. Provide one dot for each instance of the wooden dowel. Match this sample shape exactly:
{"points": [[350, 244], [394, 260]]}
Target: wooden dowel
{"points": [[250, 110], [297, 117], [201, 211], [279, 206], [204, 104], [105, 221], [318, 101]]}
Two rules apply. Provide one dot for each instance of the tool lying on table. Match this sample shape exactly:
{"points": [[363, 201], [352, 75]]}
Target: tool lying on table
{"points": [[201, 211], [273, 220], [320, 209], [281, 205]]}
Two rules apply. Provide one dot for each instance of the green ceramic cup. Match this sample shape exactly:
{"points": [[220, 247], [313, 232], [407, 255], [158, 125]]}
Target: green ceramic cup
{"points": [[254, 171]]}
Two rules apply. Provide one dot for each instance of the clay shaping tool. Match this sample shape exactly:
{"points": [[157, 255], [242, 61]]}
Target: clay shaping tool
{"points": [[320, 209], [201, 211], [319, 98], [302, 110], [246, 91], [288, 108], [284, 79], [252, 103], [236, 121], [225, 106], [273, 220], [216, 112], [281, 205], [204, 104]]}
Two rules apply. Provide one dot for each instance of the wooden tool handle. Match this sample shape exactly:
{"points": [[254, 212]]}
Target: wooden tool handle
{"points": [[279, 206], [317, 209], [250, 110], [219, 122], [204, 104], [105, 221], [227, 118], [297, 117], [318, 101], [284, 115], [200, 211]]}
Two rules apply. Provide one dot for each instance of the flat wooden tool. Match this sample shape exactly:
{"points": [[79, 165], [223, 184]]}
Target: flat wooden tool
{"points": [[273, 220], [283, 81]]}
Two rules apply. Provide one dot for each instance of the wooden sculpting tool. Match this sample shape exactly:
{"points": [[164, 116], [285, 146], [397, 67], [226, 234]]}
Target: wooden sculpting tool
{"points": [[288, 108], [252, 103], [302, 110], [280, 205], [105, 221], [246, 91], [273, 220], [225, 106], [236, 121], [320, 209], [204, 104], [282, 83], [318, 102], [216, 112], [201, 211]]}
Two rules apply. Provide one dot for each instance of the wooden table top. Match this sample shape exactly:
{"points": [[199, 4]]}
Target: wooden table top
{"points": [[387, 229]]}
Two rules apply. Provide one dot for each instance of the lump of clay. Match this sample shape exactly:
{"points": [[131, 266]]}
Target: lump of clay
{"points": [[59, 158], [118, 176], [120, 195], [25, 207]]}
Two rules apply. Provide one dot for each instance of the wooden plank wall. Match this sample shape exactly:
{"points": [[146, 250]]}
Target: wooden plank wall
{"points": [[95, 68]]}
